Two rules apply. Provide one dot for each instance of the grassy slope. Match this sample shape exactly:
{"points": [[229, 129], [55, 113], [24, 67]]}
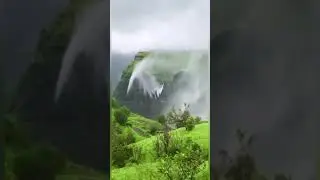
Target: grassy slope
{"points": [[147, 169], [141, 125]]}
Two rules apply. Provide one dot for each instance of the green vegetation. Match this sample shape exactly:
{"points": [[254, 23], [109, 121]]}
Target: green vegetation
{"points": [[181, 153], [161, 152], [167, 153], [175, 146]]}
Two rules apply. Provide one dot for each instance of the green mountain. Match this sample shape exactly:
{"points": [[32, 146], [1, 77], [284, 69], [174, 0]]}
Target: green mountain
{"points": [[136, 100]]}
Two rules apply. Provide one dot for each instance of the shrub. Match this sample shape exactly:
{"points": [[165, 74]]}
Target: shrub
{"points": [[184, 165], [127, 137], [167, 168], [161, 119], [121, 154], [121, 117], [136, 155], [39, 163], [197, 120], [125, 110], [153, 130], [167, 145], [190, 124], [179, 117]]}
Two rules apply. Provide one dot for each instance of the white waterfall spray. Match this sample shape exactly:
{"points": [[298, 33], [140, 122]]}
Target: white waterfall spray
{"points": [[193, 86]]}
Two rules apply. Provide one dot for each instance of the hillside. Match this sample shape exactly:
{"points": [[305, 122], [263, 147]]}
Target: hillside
{"points": [[147, 168], [141, 147]]}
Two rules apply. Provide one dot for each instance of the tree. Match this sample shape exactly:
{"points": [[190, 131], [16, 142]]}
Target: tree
{"points": [[179, 117], [121, 116]]}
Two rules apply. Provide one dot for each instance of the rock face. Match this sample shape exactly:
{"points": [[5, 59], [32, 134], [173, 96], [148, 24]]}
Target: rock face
{"points": [[139, 102], [78, 123], [135, 100]]}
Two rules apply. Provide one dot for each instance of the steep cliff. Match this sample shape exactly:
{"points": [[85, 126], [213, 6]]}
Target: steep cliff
{"points": [[138, 101]]}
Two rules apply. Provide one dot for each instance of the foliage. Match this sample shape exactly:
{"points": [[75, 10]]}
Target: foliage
{"points": [[126, 74], [167, 145], [197, 120], [136, 154], [121, 116], [153, 130], [178, 117], [121, 154], [161, 119], [125, 110], [184, 165], [127, 137], [38, 163], [190, 124]]}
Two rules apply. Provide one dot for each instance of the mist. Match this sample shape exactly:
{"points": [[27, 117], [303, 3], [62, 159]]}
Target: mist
{"points": [[188, 71]]}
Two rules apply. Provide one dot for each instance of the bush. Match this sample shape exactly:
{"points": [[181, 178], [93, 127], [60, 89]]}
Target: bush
{"points": [[190, 124], [127, 137], [179, 117], [39, 163], [197, 120], [120, 152], [161, 119], [121, 117], [184, 165], [167, 145], [121, 155], [136, 155], [125, 110], [153, 130]]}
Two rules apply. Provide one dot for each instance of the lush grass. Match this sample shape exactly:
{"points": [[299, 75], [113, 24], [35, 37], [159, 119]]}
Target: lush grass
{"points": [[147, 169], [140, 126]]}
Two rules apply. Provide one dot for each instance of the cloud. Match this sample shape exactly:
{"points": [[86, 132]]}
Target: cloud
{"points": [[169, 25]]}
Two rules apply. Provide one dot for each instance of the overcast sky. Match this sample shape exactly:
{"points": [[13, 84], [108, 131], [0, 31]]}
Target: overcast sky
{"points": [[153, 24]]}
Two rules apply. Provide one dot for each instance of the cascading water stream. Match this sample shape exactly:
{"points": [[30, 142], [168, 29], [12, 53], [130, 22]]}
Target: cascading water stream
{"points": [[191, 87]]}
